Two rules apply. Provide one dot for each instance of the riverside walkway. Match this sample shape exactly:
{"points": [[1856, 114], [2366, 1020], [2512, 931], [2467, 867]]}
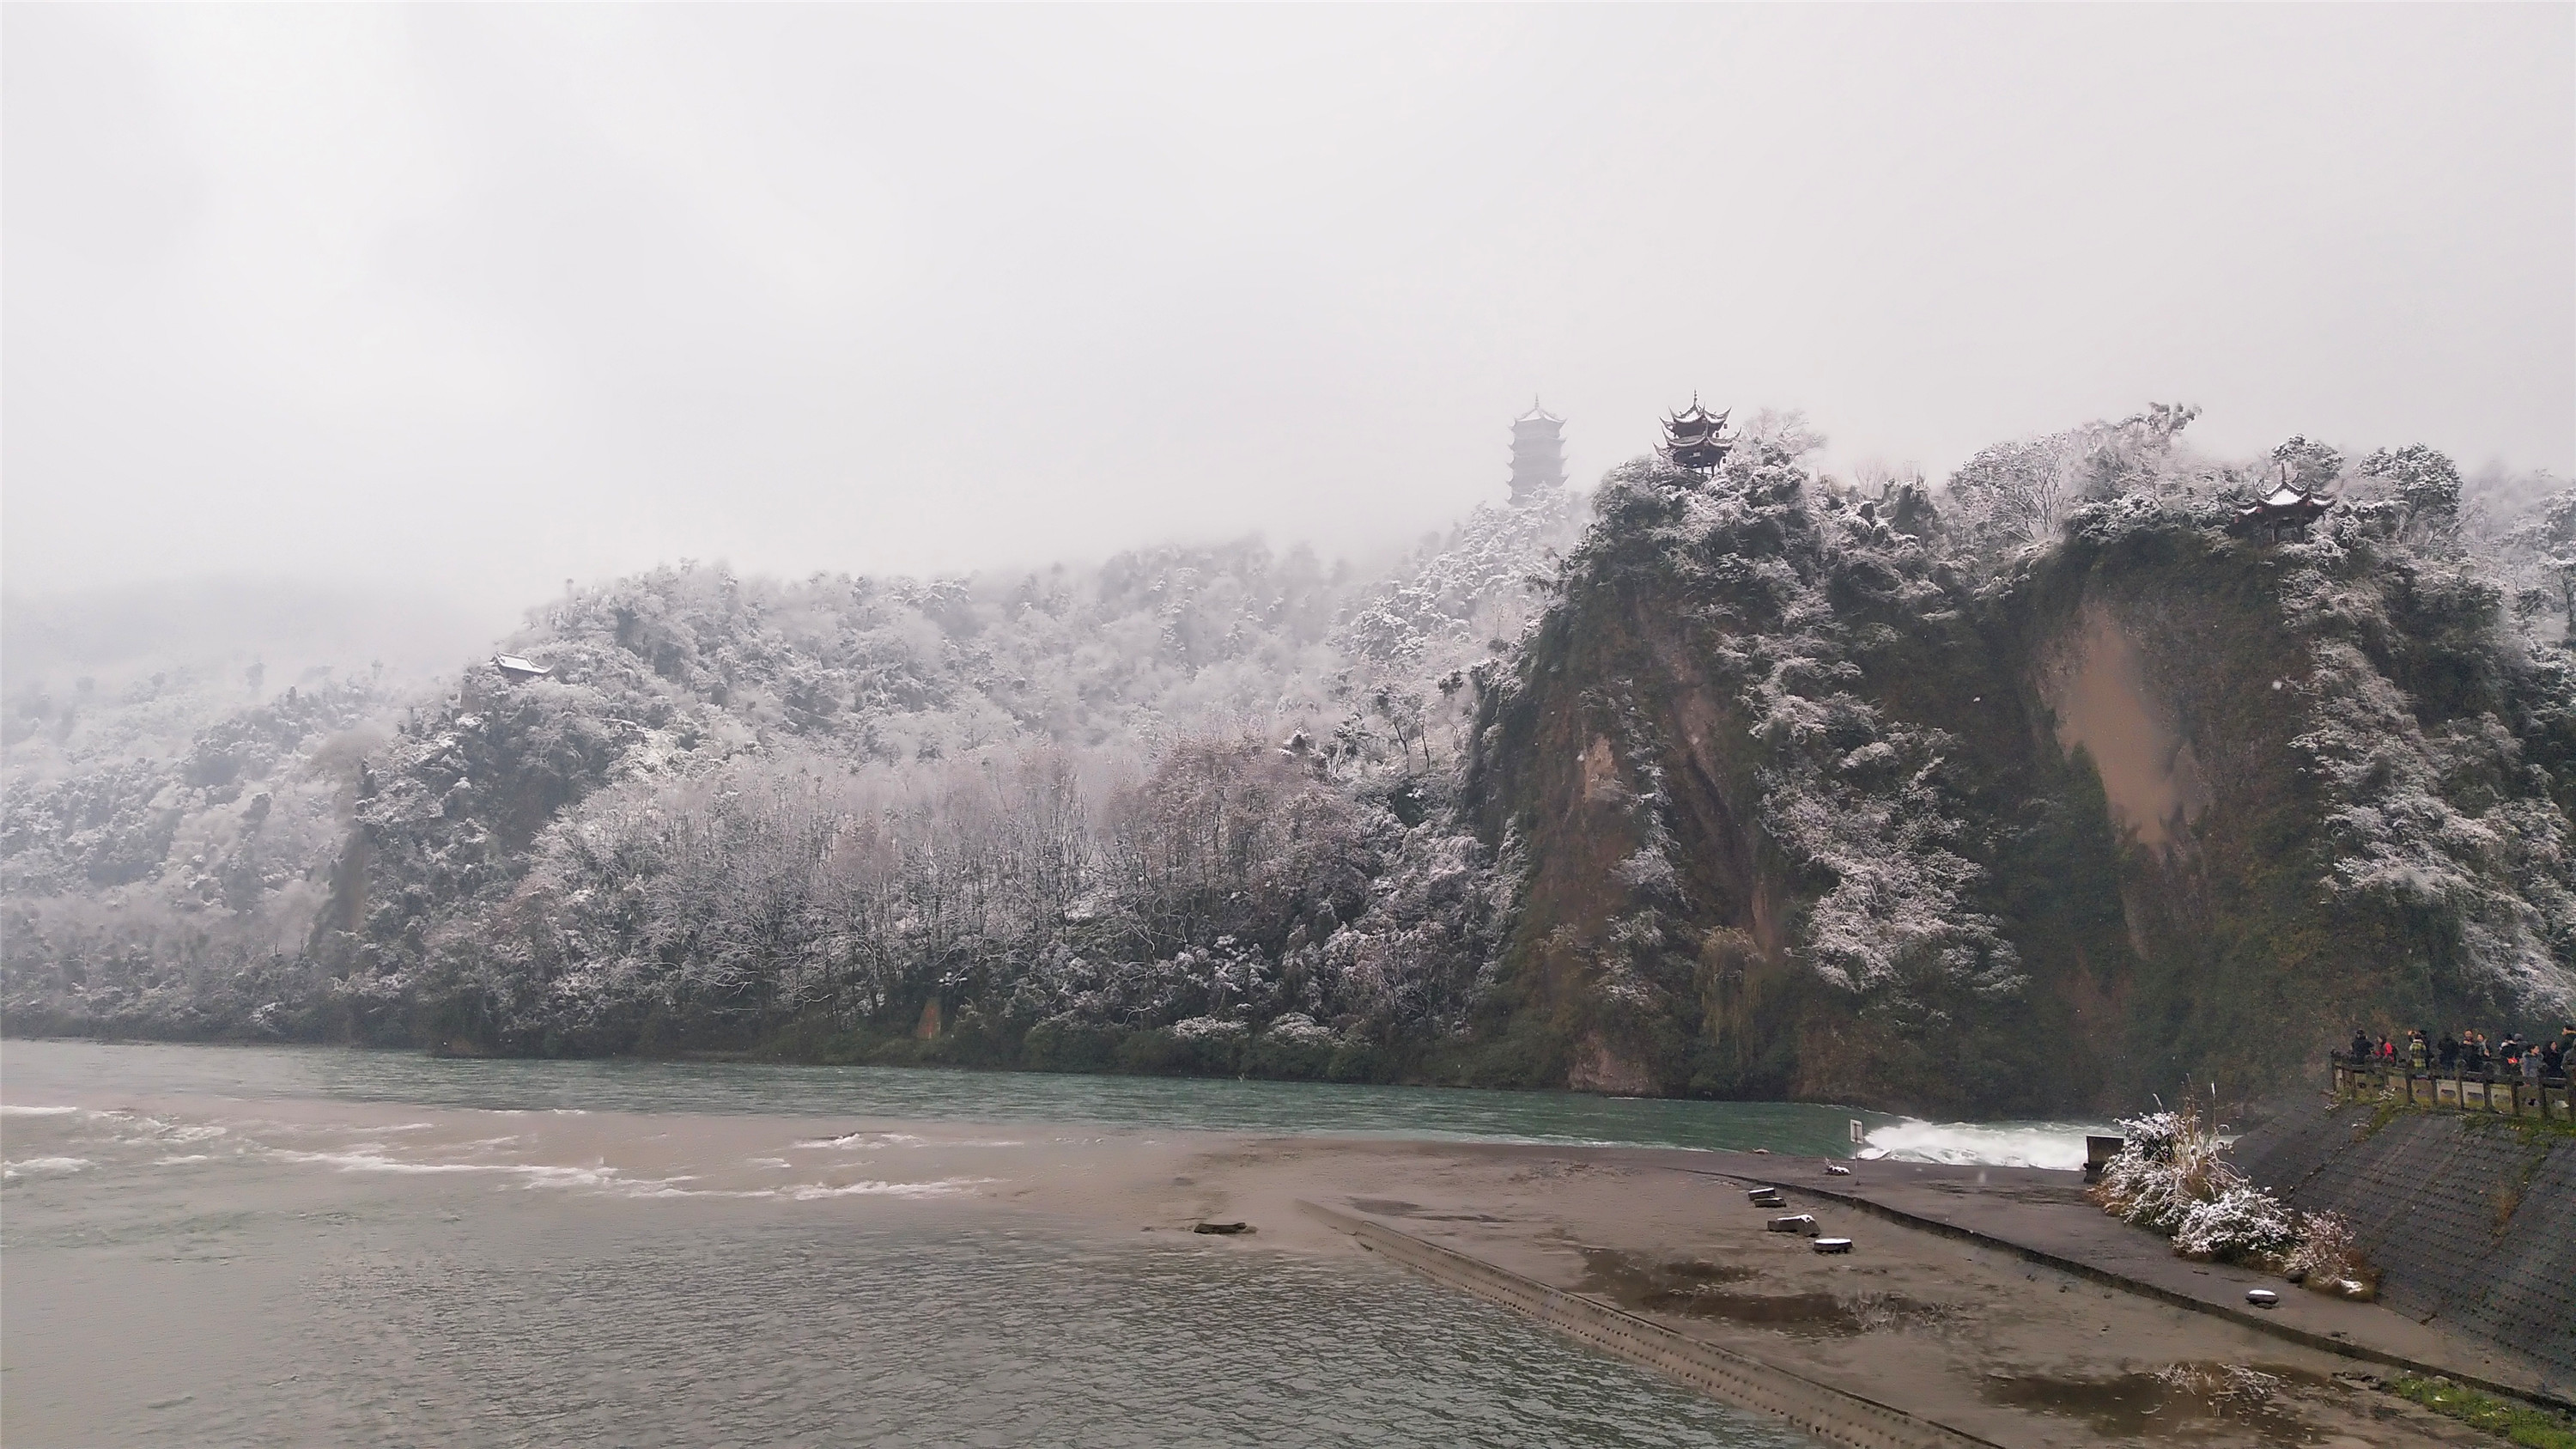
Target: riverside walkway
{"points": [[2493, 1092]]}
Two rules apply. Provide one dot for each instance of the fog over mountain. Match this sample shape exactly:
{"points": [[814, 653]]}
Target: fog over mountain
{"points": [[115, 634], [473, 299]]}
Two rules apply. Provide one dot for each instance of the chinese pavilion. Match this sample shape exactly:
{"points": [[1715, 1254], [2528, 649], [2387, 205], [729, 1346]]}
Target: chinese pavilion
{"points": [[1538, 453], [1695, 439], [2287, 506]]}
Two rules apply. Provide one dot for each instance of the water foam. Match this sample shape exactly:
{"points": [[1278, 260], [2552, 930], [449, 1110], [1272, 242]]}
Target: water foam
{"points": [[12, 1109], [364, 1159], [370, 1157], [814, 1191], [863, 1141], [2057, 1145], [44, 1164]]}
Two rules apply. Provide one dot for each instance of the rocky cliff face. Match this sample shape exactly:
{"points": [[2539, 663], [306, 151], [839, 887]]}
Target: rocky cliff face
{"points": [[1812, 809]]}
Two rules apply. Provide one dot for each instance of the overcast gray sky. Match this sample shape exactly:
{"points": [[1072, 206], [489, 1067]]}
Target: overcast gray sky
{"points": [[479, 298]]}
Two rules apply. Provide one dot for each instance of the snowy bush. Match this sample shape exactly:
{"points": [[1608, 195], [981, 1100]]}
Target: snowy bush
{"points": [[2153, 1136], [2168, 1177], [2240, 1225], [1298, 1029], [2329, 1259], [2169, 1165]]}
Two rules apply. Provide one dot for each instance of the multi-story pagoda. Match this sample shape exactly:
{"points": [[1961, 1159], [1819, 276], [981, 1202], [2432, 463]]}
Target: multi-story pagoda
{"points": [[1695, 439], [1538, 454]]}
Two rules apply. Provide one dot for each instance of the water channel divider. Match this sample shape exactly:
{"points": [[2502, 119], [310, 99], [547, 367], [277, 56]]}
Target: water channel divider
{"points": [[1738, 1379]]}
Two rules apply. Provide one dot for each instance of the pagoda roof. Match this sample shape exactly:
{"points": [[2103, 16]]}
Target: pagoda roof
{"points": [[2285, 503], [1695, 438], [1694, 420], [1537, 414]]}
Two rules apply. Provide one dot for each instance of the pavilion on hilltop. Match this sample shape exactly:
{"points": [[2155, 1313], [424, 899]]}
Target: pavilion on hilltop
{"points": [[2287, 506], [1695, 439]]}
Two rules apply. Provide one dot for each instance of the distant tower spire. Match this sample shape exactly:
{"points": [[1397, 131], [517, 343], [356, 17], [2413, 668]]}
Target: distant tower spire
{"points": [[1538, 453]]}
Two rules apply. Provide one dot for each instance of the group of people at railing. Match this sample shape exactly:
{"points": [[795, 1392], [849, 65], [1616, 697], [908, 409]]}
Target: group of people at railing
{"points": [[2470, 1054]]}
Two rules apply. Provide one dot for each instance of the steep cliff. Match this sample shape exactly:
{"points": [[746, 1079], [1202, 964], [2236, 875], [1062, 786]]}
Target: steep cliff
{"points": [[1811, 809]]}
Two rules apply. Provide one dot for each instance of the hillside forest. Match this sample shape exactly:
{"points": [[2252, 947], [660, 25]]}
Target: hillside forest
{"points": [[2030, 789]]}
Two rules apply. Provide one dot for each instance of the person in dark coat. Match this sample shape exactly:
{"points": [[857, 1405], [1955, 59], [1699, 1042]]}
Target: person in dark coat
{"points": [[2450, 1051], [2360, 1048]]}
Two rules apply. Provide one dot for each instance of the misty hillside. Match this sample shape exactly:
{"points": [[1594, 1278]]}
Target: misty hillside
{"points": [[208, 647], [337, 875], [2029, 791]]}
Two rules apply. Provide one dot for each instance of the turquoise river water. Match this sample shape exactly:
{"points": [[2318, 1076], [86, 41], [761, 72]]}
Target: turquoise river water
{"points": [[304, 1246]]}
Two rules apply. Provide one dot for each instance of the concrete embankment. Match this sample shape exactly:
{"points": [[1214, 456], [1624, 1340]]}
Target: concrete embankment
{"points": [[2471, 1218], [2046, 1218]]}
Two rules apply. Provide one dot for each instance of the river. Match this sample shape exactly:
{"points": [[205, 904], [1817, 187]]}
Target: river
{"points": [[264, 1246]]}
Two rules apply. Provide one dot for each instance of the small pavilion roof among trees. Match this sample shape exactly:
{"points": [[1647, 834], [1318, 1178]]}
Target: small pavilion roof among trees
{"points": [[518, 670], [1695, 439], [2287, 506], [1538, 453]]}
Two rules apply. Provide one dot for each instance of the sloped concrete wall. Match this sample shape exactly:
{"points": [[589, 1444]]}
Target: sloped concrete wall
{"points": [[2472, 1222]]}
